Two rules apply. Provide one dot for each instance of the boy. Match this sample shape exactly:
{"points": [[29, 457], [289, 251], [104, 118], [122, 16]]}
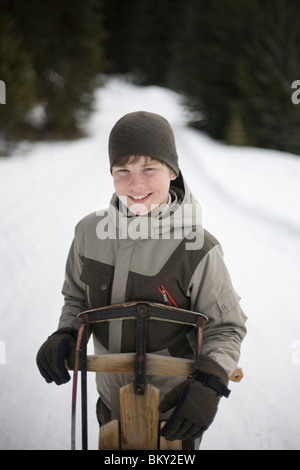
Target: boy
{"points": [[150, 245]]}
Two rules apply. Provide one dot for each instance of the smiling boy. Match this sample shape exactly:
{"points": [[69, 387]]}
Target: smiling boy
{"points": [[142, 184], [160, 266]]}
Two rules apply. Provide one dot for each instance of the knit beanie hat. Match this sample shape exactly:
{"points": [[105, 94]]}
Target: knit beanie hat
{"points": [[143, 134]]}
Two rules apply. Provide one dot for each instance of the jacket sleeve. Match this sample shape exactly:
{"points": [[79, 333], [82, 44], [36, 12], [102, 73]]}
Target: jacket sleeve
{"points": [[73, 289], [212, 294]]}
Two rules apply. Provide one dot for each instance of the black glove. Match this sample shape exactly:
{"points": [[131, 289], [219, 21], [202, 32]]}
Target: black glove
{"points": [[51, 357], [196, 401]]}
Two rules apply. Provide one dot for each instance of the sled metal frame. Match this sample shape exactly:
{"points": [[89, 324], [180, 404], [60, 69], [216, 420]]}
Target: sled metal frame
{"points": [[139, 363]]}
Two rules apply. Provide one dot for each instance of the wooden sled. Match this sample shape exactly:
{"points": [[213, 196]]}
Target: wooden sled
{"points": [[139, 426]]}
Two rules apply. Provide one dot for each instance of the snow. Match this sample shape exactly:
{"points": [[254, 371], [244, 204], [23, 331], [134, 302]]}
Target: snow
{"points": [[250, 201]]}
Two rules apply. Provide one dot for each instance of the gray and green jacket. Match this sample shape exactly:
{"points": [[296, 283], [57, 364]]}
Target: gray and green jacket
{"points": [[115, 258]]}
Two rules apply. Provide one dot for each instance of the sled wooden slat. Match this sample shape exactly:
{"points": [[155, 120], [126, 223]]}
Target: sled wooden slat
{"points": [[124, 364], [139, 418], [156, 365], [114, 363], [109, 436], [237, 375]]}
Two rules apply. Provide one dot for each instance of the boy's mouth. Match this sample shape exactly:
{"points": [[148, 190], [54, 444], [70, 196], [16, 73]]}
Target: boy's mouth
{"points": [[140, 198]]}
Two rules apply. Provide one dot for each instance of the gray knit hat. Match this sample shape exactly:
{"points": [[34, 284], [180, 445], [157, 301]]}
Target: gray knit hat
{"points": [[143, 134]]}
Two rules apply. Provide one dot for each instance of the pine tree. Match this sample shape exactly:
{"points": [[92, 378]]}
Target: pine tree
{"points": [[140, 36], [155, 27], [270, 64], [236, 62], [61, 51], [16, 71], [118, 20], [235, 133], [209, 45], [65, 38]]}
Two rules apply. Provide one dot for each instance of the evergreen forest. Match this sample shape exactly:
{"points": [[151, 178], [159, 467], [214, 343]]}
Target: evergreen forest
{"points": [[236, 64]]}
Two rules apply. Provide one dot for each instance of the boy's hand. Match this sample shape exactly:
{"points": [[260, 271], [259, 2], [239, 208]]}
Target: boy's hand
{"points": [[196, 403], [51, 357]]}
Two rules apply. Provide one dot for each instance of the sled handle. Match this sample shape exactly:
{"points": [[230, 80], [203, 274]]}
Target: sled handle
{"points": [[156, 365]]}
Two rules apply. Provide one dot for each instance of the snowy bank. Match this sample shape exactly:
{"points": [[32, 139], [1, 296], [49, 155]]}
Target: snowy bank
{"points": [[250, 203]]}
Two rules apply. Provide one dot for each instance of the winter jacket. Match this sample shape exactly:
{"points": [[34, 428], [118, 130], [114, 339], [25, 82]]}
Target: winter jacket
{"points": [[115, 258]]}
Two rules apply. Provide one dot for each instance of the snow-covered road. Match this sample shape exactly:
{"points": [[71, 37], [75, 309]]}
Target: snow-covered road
{"points": [[250, 201]]}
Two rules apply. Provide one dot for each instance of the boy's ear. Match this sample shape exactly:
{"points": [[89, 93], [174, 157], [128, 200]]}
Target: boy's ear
{"points": [[173, 176]]}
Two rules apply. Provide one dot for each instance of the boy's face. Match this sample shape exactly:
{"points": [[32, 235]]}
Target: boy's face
{"points": [[142, 184]]}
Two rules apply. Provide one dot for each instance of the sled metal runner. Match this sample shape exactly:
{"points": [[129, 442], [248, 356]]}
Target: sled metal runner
{"points": [[139, 363]]}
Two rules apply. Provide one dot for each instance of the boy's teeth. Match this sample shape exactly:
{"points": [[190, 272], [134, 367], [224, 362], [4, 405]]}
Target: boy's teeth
{"points": [[139, 197]]}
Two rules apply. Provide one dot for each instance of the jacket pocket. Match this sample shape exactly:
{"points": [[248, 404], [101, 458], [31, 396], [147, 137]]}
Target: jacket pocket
{"points": [[98, 290], [228, 301], [231, 311]]}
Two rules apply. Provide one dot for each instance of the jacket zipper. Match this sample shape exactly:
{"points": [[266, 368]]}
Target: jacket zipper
{"points": [[167, 297]]}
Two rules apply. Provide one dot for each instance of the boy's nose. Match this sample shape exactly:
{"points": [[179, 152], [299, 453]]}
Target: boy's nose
{"points": [[136, 182]]}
